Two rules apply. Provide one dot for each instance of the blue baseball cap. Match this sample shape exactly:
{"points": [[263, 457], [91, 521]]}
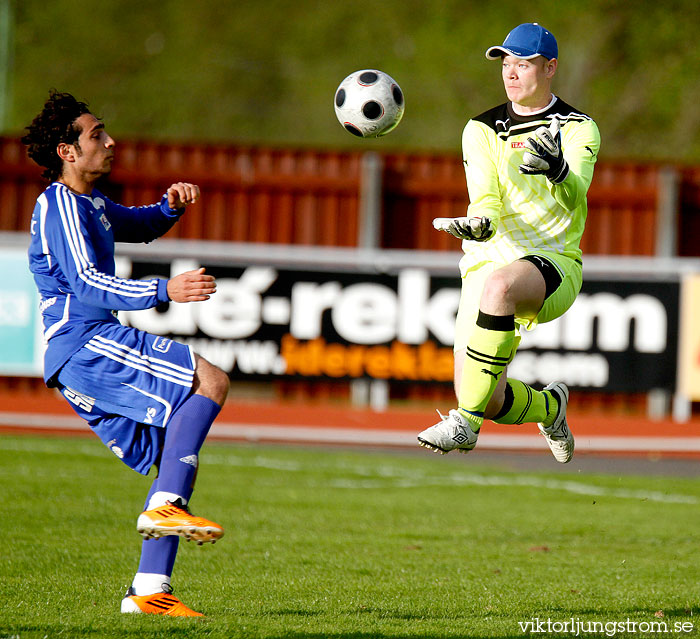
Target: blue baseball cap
{"points": [[526, 41]]}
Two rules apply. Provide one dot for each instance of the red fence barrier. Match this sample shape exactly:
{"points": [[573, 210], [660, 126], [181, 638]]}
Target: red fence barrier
{"points": [[292, 196]]}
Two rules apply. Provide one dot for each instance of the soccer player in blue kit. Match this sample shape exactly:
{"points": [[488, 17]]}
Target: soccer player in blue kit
{"points": [[150, 400]]}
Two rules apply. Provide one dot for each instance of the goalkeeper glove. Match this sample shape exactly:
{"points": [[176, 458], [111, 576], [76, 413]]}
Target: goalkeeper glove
{"points": [[544, 155], [478, 229]]}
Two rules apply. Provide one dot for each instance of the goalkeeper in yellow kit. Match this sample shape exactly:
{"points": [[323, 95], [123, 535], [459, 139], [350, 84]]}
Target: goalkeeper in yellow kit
{"points": [[529, 163]]}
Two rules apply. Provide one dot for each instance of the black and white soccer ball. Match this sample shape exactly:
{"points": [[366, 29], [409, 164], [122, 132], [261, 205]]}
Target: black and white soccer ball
{"points": [[369, 103]]}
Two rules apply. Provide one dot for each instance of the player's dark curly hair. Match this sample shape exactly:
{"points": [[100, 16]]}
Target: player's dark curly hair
{"points": [[55, 124]]}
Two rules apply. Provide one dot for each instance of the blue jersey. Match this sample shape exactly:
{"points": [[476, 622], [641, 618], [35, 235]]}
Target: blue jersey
{"points": [[71, 255]]}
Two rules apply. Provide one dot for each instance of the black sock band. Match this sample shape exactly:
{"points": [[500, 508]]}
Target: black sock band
{"points": [[507, 403], [496, 322]]}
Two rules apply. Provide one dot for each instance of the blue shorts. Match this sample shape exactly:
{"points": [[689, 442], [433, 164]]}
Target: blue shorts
{"points": [[126, 384]]}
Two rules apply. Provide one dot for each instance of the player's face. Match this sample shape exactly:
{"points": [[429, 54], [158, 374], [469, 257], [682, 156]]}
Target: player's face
{"points": [[95, 148], [528, 82]]}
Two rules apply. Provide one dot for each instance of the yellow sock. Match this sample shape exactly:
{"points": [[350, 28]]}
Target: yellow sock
{"points": [[523, 404], [488, 353]]}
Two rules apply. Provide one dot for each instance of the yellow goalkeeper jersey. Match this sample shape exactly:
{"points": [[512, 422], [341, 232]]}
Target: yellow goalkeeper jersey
{"points": [[528, 211]]}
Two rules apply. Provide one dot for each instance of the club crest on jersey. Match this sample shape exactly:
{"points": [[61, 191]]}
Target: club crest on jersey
{"points": [[162, 344], [105, 222], [517, 145]]}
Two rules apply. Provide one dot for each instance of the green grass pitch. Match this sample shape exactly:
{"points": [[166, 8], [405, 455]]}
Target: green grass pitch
{"points": [[326, 543]]}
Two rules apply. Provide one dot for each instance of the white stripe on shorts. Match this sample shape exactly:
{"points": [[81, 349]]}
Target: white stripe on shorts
{"points": [[140, 366], [174, 369], [168, 407]]}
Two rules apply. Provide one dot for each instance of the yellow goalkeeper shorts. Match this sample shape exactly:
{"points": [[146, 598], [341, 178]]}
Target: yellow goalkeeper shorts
{"points": [[563, 277]]}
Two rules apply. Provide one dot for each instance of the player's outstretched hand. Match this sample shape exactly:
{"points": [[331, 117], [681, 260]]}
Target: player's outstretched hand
{"points": [[478, 229], [191, 286], [544, 155], [181, 194]]}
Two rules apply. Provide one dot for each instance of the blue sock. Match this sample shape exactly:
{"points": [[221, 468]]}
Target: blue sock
{"points": [[184, 436], [158, 555]]}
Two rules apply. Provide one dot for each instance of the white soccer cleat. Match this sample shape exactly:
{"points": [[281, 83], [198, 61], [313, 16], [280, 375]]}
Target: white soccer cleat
{"points": [[558, 435], [452, 432]]}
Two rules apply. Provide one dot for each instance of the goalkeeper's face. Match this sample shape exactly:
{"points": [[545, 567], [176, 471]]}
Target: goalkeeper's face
{"points": [[528, 82]]}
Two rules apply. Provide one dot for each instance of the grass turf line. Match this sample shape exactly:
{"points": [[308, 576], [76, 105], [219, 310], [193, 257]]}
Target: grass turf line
{"points": [[343, 544]]}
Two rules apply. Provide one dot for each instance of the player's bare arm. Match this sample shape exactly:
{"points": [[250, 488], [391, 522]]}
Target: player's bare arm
{"points": [[191, 286]]}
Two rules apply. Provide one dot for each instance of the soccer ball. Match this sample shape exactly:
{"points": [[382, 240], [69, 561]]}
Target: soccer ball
{"points": [[369, 103]]}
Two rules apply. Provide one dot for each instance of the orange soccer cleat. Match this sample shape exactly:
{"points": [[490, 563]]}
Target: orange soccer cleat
{"points": [[161, 603], [175, 519]]}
